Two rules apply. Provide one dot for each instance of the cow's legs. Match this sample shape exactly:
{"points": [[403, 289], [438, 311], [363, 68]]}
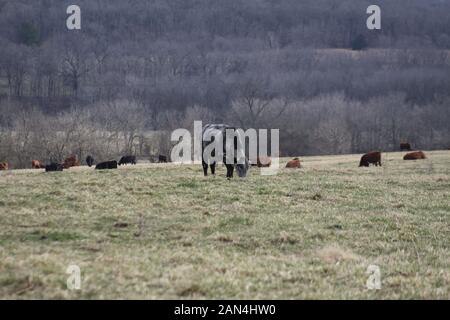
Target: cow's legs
{"points": [[213, 164], [230, 169], [205, 168]]}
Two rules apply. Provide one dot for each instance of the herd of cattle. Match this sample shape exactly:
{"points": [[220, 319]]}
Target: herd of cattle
{"points": [[72, 161]]}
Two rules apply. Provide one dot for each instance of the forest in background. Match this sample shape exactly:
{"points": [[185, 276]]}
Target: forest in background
{"points": [[310, 68]]}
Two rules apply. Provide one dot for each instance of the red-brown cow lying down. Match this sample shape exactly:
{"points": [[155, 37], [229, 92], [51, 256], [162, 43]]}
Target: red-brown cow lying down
{"points": [[263, 162], [36, 164], [294, 163], [370, 158], [416, 155], [3, 165], [71, 161]]}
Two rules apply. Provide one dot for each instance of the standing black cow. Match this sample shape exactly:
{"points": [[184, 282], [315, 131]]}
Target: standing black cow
{"points": [[213, 132], [54, 167], [373, 157], [90, 161], [127, 159], [106, 165], [405, 146]]}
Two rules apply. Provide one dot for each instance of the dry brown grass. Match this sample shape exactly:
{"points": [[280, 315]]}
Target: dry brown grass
{"points": [[165, 231]]}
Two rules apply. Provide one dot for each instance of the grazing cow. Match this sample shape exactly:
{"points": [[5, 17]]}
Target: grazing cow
{"points": [[162, 159], [90, 161], [71, 161], [405, 146], [3, 166], [213, 132], [54, 167], [263, 162], [294, 163], [36, 164], [127, 159], [417, 155], [371, 158], [106, 165]]}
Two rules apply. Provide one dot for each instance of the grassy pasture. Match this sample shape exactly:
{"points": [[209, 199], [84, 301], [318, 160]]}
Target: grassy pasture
{"points": [[165, 231]]}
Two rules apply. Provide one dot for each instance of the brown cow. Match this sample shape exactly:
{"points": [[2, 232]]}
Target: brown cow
{"points": [[414, 155], [71, 161], [405, 146], [263, 162], [36, 164], [3, 166], [294, 163], [371, 158]]}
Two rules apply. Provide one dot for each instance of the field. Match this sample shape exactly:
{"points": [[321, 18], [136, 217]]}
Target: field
{"points": [[158, 231]]}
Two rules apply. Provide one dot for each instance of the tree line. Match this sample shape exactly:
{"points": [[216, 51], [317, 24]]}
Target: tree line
{"points": [[138, 69]]}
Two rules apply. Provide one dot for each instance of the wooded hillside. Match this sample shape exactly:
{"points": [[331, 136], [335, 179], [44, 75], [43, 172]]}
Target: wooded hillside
{"points": [[157, 65]]}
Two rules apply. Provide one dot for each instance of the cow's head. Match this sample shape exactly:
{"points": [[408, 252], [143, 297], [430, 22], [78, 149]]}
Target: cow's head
{"points": [[242, 169], [364, 163]]}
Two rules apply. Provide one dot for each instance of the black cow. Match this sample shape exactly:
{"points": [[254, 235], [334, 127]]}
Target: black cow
{"points": [[90, 161], [373, 157], [127, 159], [106, 165], [162, 159], [405, 146], [212, 132], [54, 167]]}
